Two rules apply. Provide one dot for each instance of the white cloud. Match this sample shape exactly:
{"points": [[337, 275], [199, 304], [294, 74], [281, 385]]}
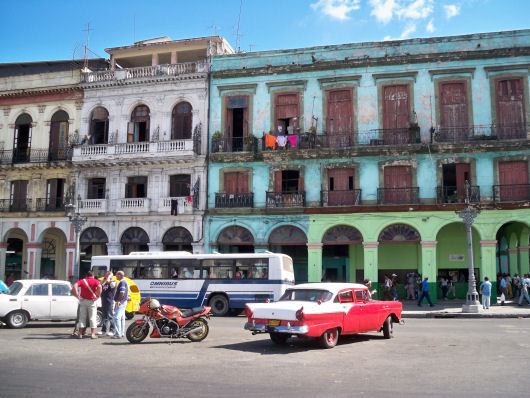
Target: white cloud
{"points": [[383, 10], [451, 10], [409, 29], [430, 26], [338, 9], [418, 9]]}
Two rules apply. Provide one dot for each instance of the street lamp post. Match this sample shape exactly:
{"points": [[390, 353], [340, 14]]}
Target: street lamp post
{"points": [[77, 220], [468, 215]]}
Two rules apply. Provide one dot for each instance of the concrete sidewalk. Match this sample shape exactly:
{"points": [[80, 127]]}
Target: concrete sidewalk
{"points": [[453, 309]]}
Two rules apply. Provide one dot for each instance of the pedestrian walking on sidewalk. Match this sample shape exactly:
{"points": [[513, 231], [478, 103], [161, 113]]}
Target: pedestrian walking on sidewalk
{"points": [[386, 289], [509, 285], [393, 289], [504, 290], [525, 286], [444, 285], [425, 292], [451, 285], [516, 286], [485, 290]]}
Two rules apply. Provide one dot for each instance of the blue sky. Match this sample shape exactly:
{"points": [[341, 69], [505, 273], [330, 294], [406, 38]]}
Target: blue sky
{"points": [[34, 30]]}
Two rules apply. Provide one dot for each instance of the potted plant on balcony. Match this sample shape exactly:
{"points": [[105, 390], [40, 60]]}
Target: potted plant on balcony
{"points": [[249, 143], [414, 129], [217, 141]]}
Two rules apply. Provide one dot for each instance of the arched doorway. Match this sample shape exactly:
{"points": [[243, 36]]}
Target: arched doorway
{"points": [[134, 239], [452, 258], [399, 253], [181, 121], [93, 242], [138, 129], [177, 239], [22, 139], [292, 241], [58, 136], [342, 254], [53, 256], [16, 254], [99, 126], [235, 239]]}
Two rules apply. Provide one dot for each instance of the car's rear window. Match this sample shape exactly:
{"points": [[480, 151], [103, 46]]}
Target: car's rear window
{"points": [[306, 295]]}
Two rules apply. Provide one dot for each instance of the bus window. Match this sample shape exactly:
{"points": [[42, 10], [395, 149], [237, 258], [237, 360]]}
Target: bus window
{"points": [[185, 269], [153, 269], [127, 266], [252, 268], [219, 268], [287, 264]]}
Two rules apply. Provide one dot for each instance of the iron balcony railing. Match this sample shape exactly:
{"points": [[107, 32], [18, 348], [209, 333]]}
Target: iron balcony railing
{"points": [[285, 199], [31, 155], [495, 132], [398, 196], [511, 193], [350, 197], [227, 200], [235, 144], [47, 204], [453, 194], [7, 205]]}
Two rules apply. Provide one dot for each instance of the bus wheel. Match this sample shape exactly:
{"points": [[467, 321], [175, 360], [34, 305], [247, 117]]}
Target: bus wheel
{"points": [[219, 304]]}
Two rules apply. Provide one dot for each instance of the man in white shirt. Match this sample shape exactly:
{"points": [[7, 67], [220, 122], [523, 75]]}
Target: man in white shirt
{"points": [[525, 285]]}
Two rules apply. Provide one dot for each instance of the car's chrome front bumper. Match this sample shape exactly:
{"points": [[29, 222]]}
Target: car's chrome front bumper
{"points": [[256, 328]]}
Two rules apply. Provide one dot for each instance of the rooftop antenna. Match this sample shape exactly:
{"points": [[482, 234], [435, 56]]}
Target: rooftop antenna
{"points": [[250, 47], [238, 36], [85, 68]]}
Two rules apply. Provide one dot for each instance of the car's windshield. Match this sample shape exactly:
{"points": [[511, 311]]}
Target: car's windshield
{"points": [[14, 288], [306, 295]]}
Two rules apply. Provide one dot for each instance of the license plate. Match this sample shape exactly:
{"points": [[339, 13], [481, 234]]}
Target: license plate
{"points": [[274, 322]]}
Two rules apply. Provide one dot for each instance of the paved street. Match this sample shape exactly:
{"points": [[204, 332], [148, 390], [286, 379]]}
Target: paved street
{"points": [[427, 357]]}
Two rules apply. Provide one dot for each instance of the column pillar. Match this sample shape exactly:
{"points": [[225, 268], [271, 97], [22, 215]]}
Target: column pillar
{"points": [[156, 247], [114, 248], [34, 257], [314, 262], [3, 257], [371, 261], [112, 63], [429, 266], [353, 264], [513, 265], [154, 59], [70, 261], [523, 260], [260, 247], [197, 247], [488, 267], [174, 57]]}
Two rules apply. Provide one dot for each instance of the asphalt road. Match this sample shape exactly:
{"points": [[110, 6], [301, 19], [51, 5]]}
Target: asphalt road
{"points": [[427, 357]]}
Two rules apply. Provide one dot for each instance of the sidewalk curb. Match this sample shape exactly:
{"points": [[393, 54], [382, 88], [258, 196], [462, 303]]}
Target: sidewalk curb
{"points": [[442, 315]]}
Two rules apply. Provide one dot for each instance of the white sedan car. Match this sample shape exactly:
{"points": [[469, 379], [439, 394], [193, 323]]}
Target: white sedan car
{"points": [[32, 299]]}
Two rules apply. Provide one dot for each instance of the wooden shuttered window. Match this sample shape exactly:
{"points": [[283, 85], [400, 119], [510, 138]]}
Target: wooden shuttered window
{"points": [[396, 107], [235, 182], [513, 180], [339, 118], [286, 110], [510, 106]]}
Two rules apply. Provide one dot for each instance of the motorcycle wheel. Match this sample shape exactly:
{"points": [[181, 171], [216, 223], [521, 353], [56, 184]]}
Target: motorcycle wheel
{"points": [[135, 334], [200, 334]]}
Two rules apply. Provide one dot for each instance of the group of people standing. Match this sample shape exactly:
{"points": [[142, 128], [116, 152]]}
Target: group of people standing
{"points": [[113, 293]]}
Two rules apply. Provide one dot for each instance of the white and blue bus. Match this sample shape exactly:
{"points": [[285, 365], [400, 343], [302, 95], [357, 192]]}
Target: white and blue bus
{"points": [[226, 282]]}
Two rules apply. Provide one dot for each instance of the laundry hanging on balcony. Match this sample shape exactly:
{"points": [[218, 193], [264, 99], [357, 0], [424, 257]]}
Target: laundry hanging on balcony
{"points": [[270, 141], [293, 140], [281, 140]]}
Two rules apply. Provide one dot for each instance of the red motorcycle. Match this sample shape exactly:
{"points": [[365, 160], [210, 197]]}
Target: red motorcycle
{"points": [[169, 321]]}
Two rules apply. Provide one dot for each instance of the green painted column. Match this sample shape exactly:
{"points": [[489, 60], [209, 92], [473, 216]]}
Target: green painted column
{"points": [[371, 260], [513, 261], [353, 264], [523, 260], [428, 266], [314, 262], [488, 255]]}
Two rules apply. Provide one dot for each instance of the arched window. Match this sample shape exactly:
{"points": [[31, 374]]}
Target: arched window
{"points": [[182, 121], [138, 129], [22, 139], [58, 136], [99, 126], [399, 233]]}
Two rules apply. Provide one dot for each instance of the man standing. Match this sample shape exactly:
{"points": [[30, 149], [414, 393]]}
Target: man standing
{"points": [[120, 302], [425, 292], [90, 290], [108, 290], [485, 290], [525, 285], [504, 291]]}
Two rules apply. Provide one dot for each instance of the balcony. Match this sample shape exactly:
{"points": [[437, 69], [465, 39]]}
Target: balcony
{"points": [[511, 193], [285, 199], [493, 132], [93, 206], [133, 205], [228, 201], [449, 194], [14, 205], [135, 150], [398, 196], [350, 197], [235, 144], [145, 72], [30, 155], [175, 205], [47, 204]]}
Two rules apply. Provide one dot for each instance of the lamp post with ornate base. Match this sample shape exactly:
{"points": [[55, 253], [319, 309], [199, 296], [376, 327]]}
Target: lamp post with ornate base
{"points": [[77, 220], [468, 215]]}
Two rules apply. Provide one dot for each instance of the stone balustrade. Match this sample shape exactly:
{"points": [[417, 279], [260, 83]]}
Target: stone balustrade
{"points": [[93, 206], [133, 205], [175, 205]]}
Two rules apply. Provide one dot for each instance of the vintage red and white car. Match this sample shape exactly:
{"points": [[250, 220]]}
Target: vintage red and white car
{"points": [[324, 311]]}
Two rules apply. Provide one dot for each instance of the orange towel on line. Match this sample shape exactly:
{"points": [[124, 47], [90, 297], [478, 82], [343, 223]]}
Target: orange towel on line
{"points": [[270, 141]]}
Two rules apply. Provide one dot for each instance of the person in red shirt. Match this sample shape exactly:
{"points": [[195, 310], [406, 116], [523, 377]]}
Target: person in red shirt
{"points": [[87, 291]]}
